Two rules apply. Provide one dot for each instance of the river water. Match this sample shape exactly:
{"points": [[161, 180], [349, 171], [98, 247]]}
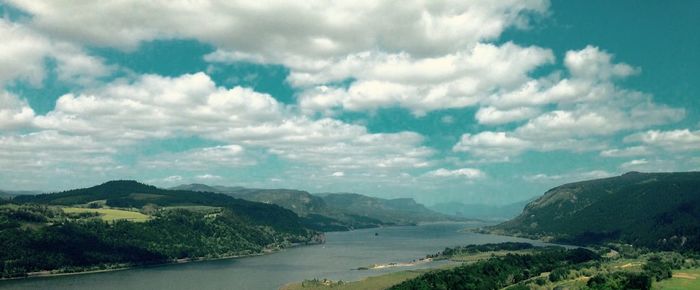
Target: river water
{"points": [[336, 259]]}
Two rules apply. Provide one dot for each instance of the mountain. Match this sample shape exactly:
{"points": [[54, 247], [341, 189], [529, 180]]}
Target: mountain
{"points": [[481, 211], [332, 211], [132, 194], [6, 195], [311, 209], [300, 202], [9, 194], [398, 211], [655, 210]]}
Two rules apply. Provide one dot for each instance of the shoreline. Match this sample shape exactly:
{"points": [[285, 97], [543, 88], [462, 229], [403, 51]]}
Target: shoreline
{"points": [[50, 274]]}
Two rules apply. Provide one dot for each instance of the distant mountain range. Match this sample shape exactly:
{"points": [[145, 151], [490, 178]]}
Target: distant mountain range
{"points": [[333, 211], [8, 194], [656, 210], [481, 211]]}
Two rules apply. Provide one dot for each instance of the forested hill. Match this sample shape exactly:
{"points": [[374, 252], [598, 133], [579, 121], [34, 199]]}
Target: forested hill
{"points": [[125, 223], [333, 211], [132, 194], [656, 210], [298, 201]]}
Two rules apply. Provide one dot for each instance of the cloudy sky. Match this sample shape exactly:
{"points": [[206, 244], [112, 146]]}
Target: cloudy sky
{"points": [[471, 101]]}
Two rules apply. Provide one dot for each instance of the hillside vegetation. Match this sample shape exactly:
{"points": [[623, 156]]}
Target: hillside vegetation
{"points": [[124, 223], [654, 210], [332, 211]]}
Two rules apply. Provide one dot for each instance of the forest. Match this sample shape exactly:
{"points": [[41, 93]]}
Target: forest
{"points": [[45, 238]]}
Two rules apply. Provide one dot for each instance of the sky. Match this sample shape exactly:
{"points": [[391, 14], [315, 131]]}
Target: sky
{"points": [[442, 101]]}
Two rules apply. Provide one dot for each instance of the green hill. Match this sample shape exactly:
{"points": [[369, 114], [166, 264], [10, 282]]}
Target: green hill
{"points": [[69, 232], [656, 210], [132, 194]]}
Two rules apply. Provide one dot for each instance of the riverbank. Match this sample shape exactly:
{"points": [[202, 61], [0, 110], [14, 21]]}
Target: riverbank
{"points": [[336, 259], [395, 264], [125, 266]]}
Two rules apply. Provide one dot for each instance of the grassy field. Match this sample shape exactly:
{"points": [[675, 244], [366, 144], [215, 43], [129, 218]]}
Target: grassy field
{"points": [[369, 283], [110, 214], [682, 279]]}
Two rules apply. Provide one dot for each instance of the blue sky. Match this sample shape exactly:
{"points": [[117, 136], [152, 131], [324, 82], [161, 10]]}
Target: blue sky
{"points": [[469, 101]]}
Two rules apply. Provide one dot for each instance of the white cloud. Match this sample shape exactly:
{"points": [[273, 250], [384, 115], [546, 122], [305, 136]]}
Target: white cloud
{"points": [[200, 159], [338, 174], [436, 58], [626, 152], [491, 144], [567, 177], [124, 113], [593, 64], [208, 177], [173, 178], [24, 53], [563, 124], [468, 173], [636, 163], [279, 30], [588, 108], [14, 113], [674, 140], [493, 116], [419, 84], [49, 150]]}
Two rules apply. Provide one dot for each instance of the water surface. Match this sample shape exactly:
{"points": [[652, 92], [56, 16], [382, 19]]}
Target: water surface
{"points": [[336, 259]]}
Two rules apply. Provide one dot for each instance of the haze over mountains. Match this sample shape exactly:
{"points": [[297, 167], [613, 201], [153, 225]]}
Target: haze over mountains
{"points": [[333, 211], [484, 212]]}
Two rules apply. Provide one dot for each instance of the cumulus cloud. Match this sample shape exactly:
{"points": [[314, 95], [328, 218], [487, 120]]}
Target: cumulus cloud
{"points": [[491, 144], [492, 116], [25, 51], [14, 113], [124, 113], [424, 56], [280, 29], [673, 140], [419, 84], [588, 108]]}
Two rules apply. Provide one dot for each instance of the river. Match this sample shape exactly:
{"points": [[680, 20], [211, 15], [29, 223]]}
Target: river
{"points": [[336, 259]]}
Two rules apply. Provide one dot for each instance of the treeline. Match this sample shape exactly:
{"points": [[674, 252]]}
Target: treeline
{"points": [[132, 194], [473, 249], [499, 272], [524, 271], [68, 246]]}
